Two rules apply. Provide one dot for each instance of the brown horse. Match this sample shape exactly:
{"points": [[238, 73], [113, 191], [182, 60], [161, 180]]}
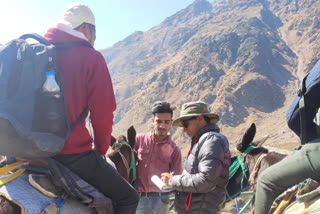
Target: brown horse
{"points": [[121, 156], [255, 159]]}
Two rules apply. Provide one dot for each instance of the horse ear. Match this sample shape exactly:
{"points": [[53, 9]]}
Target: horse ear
{"points": [[247, 138], [113, 140], [131, 133]]}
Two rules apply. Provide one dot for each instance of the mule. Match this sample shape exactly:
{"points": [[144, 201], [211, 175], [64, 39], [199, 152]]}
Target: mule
{"points": [[255, 159], [121, 155]]}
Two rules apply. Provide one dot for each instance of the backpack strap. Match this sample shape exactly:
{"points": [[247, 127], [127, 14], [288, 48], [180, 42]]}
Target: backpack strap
{"points": [[42, 40], [35, 36], [66, 45], [302, 111], [82, 116]]}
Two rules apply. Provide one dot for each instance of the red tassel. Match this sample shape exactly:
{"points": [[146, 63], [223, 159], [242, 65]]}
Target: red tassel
{"points": [[187, 202]]}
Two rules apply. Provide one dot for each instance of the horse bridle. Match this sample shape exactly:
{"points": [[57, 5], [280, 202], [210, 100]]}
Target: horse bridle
{"points": [[239, 163], [125, 162]]}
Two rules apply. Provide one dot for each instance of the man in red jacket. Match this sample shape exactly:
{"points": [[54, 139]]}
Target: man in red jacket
{"points": [[88, 88]]}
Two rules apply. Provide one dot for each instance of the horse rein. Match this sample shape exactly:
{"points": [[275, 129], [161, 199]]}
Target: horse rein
{"points": [[125, 162]]}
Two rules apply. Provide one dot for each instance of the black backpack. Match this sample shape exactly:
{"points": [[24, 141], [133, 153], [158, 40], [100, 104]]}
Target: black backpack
{"points": [[301, 113], [33, 124]]}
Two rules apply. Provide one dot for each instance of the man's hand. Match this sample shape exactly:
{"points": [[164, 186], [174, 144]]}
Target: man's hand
{"points": [[166, 176]]}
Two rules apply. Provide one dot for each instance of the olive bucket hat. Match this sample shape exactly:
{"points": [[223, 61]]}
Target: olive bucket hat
{"points": [[195, 109]]}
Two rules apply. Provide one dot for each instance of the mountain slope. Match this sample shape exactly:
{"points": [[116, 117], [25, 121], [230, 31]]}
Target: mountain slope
{"points": [[242, 57]]}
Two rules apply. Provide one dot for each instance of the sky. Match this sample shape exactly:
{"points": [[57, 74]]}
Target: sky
{"points": [[115, 19]]}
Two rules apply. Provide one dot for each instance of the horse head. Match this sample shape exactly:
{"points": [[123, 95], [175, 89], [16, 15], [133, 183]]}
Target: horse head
{"points": [[253, 159], [123, 155]]}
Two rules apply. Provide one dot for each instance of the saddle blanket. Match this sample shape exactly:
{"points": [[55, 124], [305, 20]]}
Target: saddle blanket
{"points": [[35, 202]]}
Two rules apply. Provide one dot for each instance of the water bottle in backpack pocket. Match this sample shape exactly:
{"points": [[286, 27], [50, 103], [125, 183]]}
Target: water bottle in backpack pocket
{"points": [[33, 116], [49, 114]]}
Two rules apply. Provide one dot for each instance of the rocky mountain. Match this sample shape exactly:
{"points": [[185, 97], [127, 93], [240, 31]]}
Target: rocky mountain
{"points": [[243, 57]]}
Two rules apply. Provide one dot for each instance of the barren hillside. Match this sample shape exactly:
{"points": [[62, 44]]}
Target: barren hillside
{"points": [[242, 57]]}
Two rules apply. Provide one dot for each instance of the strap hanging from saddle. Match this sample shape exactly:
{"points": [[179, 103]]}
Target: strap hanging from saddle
{"points": [[132, 164], [54, 207], [302, 111], [256, 169]]}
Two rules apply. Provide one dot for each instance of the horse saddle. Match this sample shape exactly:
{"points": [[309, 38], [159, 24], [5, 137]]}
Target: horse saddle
{"points": [[302, 198], [78, 188], [59, 183], [44, 184]]}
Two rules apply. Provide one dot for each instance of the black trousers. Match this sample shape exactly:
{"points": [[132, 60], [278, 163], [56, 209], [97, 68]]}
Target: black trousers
{"points": [[92, 168]]}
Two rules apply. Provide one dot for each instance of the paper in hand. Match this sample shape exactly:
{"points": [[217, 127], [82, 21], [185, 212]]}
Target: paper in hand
{"points": [[160, 184]]}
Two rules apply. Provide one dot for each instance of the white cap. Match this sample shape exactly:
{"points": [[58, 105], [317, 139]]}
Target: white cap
{"points": [[76, 14]]}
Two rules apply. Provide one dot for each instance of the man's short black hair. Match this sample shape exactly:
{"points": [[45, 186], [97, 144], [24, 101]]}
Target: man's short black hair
{"points": [[162, 107]]}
